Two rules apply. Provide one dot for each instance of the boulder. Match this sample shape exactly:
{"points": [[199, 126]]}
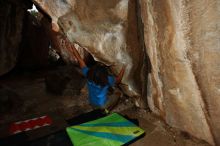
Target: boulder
{"points": [[34, 46], [11, 24], [182, 41], [107, 30]]}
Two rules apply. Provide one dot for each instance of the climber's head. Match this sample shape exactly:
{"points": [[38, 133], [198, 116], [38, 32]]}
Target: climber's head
{"points": [[98, 74]]}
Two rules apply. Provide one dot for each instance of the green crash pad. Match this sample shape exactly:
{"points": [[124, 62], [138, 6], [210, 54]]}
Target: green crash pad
{"points": [[112, 130]]}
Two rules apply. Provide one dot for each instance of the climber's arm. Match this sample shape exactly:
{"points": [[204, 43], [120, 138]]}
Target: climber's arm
{"points": [[82, 64], [120, 75], [71, 48]]}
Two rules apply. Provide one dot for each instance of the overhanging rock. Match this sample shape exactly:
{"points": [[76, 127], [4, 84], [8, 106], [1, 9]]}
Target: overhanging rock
{"points": [[107, 29]]}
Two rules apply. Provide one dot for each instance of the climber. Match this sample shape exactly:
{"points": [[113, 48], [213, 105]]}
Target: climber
{"points": [[98, 81]]}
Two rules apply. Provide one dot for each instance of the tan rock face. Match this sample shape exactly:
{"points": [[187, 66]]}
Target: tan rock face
{"points": [[183, 44], [205, 57], [107, 29]]}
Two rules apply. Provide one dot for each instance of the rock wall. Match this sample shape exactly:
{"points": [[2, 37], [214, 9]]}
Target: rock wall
{"points": [[183, 44], [11, 24], [181, 40], [106, 29], [34, 46]]}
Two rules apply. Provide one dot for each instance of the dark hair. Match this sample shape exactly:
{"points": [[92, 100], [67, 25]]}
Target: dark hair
{"points": [[98, 74]]}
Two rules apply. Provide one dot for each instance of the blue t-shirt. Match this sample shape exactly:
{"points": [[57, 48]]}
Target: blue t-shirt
{"points": [[98, 94]]}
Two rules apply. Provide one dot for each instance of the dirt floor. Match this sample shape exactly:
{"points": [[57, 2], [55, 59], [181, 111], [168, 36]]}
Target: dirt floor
{"points": [[62, 92]]}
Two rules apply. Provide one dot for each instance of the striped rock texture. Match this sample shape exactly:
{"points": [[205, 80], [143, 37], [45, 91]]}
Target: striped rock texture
{"points": [[182, 40]]}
